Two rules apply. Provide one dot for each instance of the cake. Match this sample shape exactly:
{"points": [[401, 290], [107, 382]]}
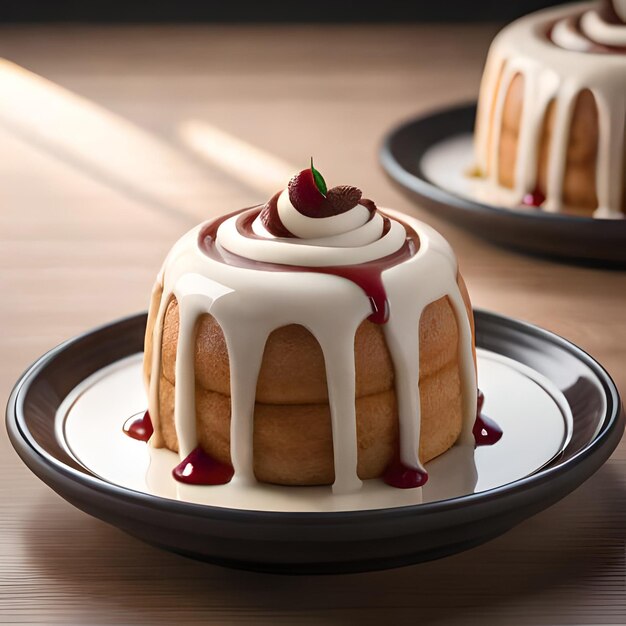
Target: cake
{"points": [[313, 340], [550, 123]]}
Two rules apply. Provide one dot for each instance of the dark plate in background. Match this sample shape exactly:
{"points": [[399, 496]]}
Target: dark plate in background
{"points": [[581, 239]]}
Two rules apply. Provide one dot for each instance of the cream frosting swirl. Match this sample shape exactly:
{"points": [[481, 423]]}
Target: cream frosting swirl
{"points": [[349, 231], [348, 225], [599, 29]]}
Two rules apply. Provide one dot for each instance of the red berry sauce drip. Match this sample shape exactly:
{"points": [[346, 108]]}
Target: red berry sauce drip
{"points": [[198, 468], [403, 477], [139, 428], [371, 283], [486, 431], [535, 199], [369, 277]]}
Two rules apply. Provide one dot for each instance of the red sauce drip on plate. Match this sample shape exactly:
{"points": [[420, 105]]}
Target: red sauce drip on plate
{"points": [[486, 431], [368, 276], [198, 468], [535, 199], [139, 428], [402, 477]]}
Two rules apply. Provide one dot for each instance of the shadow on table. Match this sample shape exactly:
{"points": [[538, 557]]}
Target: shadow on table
{"points": [[550, 565]]}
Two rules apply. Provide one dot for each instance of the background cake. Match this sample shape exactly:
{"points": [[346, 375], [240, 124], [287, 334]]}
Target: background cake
{"points": [[552, 105], [313, 340]]}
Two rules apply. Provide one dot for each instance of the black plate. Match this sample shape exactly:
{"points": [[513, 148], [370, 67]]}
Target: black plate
{"points": [[317, 542], [584, 239]]}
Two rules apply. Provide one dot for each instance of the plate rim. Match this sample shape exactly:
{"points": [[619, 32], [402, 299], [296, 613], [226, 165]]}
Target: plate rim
{"points": [[421, 184], [32, 454]]}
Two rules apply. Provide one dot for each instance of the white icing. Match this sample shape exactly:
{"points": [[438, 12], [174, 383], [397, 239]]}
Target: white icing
{"points": [[565, 34], [368, 233], [592, 24], [346, 230], [347, 249], [250, 303], [552, 73]]}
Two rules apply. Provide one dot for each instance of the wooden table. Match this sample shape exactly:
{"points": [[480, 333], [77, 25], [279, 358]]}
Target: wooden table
{"points": [[144, 131]]}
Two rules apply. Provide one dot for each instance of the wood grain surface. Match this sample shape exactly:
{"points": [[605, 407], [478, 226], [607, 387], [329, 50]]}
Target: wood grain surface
{"points": [[138, 133]]}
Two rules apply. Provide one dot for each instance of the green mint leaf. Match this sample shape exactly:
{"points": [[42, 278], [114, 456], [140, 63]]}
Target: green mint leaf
{"points": [[320, 183]]}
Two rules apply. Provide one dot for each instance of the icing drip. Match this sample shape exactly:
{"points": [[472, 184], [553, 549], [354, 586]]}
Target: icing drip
{"points": [[548, 50], [253, 282]]}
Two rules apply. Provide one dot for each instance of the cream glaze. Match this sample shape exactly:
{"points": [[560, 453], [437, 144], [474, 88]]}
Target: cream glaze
{"points": [[581, 31], [250, 303], [597, 29], [551, 73]]}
